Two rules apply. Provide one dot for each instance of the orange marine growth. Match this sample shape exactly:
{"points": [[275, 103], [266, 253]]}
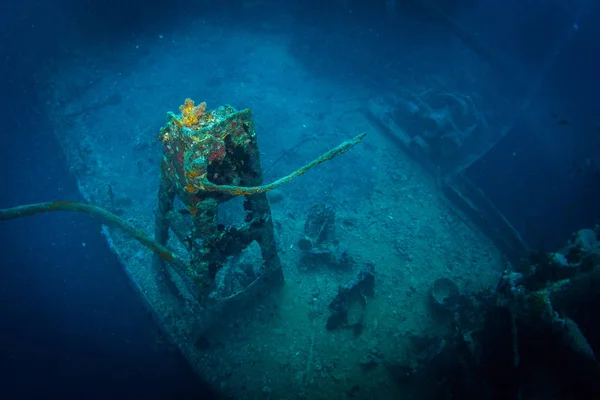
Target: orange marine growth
{"points": [[191, 114]]}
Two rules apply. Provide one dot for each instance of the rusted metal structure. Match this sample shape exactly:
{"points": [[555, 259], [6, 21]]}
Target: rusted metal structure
{"points": [[218, 147], [210, 157]]}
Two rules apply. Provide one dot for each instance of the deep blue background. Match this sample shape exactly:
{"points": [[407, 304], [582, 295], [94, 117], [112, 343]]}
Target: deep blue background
{"points": [[70, 324], [534, 174]]}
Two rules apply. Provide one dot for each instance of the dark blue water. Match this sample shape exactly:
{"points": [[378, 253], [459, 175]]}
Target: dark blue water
{"points": [[71, 325], [547, 180]]}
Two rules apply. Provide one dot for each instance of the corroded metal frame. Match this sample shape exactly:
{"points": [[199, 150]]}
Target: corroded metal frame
{"points": [[216, 147]]}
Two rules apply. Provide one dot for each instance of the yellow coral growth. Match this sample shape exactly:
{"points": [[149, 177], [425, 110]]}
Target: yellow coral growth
{"points": [[191, 114]]}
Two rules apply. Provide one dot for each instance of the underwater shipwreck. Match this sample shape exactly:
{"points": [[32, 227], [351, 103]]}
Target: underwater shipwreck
{"points": [[376, 270], [208, 273]]}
